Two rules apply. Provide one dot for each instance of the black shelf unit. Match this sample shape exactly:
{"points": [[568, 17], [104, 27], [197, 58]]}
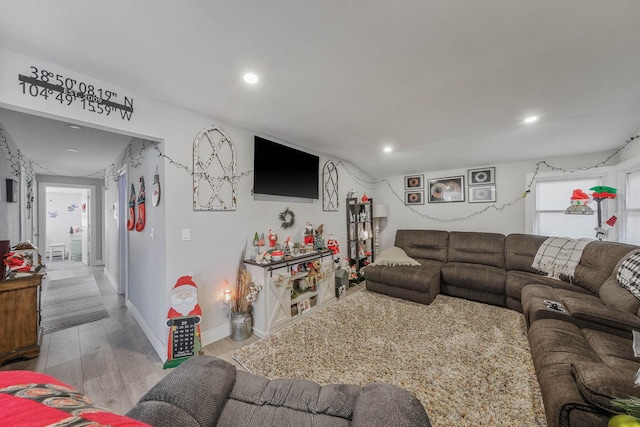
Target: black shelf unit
{"points": [[360, 236]]}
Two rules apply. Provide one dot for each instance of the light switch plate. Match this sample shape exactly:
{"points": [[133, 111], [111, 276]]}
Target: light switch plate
{"points": [[186, 234]]}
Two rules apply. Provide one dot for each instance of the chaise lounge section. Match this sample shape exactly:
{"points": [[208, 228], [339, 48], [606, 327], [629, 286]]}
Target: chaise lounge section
{"points": [[580, 327]]}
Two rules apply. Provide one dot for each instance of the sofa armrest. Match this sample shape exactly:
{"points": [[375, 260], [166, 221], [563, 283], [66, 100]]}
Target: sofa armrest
{"points": [[599, 384], [194, 393], [381, 404], [602, 314]]}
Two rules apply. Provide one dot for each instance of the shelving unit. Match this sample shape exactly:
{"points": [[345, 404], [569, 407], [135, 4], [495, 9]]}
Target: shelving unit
{"points": [[288, 293], [360, 236]]}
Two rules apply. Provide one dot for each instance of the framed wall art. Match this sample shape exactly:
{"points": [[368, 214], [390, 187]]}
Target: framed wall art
{"points": [[413, 182], [482, 194], [444, 190], [482, 176], [415, 197]]}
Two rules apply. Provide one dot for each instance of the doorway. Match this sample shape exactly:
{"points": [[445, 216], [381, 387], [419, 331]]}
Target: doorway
{"points": [[65, 226]]}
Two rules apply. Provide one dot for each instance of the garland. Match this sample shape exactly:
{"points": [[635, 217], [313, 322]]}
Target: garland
{"points": [[288, 218]]}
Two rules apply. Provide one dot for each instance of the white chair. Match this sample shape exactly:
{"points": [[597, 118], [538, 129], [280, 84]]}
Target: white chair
{"points": [[57, 247]]}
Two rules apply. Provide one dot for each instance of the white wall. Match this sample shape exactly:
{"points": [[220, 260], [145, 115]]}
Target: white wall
{"points": [[511, 183], [9, 212]]}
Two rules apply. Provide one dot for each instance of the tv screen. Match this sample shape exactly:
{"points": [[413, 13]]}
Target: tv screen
{"points": [[284, 171]]}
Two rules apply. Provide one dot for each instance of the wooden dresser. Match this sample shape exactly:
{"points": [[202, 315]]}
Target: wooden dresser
{"points": [[20, 334]]}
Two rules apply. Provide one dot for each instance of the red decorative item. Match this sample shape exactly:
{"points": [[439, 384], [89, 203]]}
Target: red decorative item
{"points": [[611, 221], [131, 222], [364, 199], [142, 217], [183, 321], [273, 238]]}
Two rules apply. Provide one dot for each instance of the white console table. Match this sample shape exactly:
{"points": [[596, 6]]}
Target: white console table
{"points": [[287, 292]]}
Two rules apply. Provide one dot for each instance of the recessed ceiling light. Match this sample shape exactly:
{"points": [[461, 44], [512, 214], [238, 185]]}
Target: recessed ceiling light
{"points": [[75, 127], [250, 78], [72, 150], [387, 149], [531, 119]]}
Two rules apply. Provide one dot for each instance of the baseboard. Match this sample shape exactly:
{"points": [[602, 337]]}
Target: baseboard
{"points": [[111, 280], [158, 346], [215, 334]]}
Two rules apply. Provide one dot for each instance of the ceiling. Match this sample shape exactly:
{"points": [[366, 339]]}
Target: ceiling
{"points": [[446, 83], [49, 142]]}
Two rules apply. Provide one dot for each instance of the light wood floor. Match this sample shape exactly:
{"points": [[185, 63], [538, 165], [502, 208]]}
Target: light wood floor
{"points": [[110, 360]]}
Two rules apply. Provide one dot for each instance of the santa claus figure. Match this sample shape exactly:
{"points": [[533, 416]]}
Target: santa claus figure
{"points": [[308, 234], [273, 238], [332, 244], [184, 304]]}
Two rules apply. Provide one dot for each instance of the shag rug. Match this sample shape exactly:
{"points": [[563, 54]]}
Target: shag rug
{"points": [[71, 302], [468, 363]]}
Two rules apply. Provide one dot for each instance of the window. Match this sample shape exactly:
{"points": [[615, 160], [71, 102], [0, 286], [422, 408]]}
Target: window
{"points": [[632, 208], [553, 197]]}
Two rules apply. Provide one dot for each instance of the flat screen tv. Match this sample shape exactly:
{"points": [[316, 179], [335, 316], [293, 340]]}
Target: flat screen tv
{"points": [[279, 170]]}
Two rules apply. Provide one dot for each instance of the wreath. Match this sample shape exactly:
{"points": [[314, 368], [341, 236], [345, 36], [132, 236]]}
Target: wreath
{"points": [[288, 218]]}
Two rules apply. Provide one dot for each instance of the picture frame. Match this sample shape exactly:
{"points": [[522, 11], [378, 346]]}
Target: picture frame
{"points": [[447, 190], [413, 182], [415, 197], [482, 194], [481, 176]]}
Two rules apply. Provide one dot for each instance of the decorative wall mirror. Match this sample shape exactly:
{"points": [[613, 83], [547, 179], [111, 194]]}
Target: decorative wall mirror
{"points": [[214, 171], [330, 186]]}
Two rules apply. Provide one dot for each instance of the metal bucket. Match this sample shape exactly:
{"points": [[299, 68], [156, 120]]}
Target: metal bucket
{"points": [[241, 326]]}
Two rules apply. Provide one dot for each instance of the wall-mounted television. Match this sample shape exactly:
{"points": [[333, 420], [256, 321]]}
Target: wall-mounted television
{"points": [[279, 170]]}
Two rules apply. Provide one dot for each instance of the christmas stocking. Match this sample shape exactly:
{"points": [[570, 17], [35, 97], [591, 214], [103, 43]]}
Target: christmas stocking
{"points": [[131, 222], [141, 209]]}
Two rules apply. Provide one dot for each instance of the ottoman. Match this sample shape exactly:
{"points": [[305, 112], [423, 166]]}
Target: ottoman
{"points": [[419, 283]]}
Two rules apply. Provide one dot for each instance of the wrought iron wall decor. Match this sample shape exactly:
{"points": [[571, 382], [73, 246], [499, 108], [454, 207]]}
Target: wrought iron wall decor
{"points": [[330, 187], [214, 171]]}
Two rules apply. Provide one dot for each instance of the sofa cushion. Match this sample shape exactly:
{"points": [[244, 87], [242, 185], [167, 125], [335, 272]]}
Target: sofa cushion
{"points": [[425, 244], [598, 262], [520, 250], [394, 256], [517, 280], [474, 276], [599, 384], [477, 248], [418, 278]]}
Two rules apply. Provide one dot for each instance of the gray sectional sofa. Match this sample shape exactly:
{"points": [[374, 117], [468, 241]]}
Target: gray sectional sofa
{"points": [[207, 391], [581, 345]]}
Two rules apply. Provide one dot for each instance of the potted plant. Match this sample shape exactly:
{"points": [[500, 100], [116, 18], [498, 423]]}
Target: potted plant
{"points": [[242, 299]]}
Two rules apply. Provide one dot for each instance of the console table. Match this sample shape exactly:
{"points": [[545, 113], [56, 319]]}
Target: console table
{"points": [[287, 290], [20, 317]]}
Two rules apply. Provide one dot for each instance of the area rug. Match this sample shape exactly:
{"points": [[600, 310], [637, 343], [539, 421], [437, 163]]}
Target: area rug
{"points": [[468, 363], [71, 302]]}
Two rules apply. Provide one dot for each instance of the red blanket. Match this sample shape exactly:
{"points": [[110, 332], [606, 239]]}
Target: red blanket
{"points": [[36, 400]]}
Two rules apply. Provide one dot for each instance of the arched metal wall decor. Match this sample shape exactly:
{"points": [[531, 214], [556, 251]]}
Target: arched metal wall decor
{"points": [[214, 171], [330, 187]]}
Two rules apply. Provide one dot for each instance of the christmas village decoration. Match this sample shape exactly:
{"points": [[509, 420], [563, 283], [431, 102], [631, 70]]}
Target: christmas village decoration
{"points": [[579, 206], [312, 240], [183, 321], [214, 171]]}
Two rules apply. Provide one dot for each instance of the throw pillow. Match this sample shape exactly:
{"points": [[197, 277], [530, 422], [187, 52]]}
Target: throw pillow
{"points": [[629, 274], [394, 256]]}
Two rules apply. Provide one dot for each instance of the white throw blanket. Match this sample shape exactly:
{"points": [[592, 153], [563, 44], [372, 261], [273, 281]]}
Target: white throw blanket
{"points": [[559, 255]]}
